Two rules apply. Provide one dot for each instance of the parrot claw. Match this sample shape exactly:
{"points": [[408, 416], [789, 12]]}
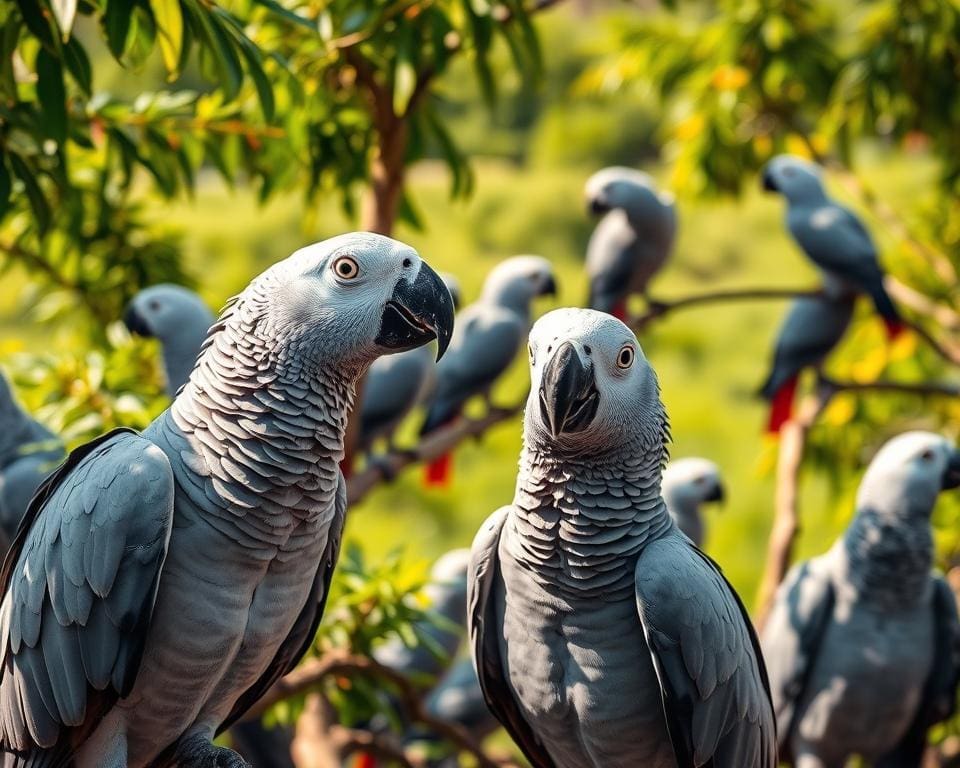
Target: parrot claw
{"points": [[198, 752]]}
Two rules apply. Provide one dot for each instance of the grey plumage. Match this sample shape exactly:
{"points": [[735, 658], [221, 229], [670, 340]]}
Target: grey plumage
{"points": [[831, 236], [228, 509], [862, 643], [179, 319], [490, 332], [28, 453], [632, 241], [687, 485], [601, 636]]}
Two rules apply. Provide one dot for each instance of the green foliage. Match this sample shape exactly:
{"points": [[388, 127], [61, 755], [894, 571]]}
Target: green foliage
{"points": [[370, 601]]}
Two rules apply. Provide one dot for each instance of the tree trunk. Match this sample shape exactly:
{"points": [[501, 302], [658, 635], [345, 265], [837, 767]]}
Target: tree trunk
{"points": [[379, 213]]}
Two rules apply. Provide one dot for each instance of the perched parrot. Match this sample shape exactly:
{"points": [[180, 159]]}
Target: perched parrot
{"points": [[178, 318], [831, 236], [863, 642], [396, 384], [601, 635], [161, 582], [490, 333], [28, 453], [632, 241], [687, 485], [814, 325]]}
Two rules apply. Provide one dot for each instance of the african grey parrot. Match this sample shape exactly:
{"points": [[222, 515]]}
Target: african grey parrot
{"points": [[832, 236], [862, 643], [687, 485], [602, 636], [395, 384], [179, 319], [162, 582], [489, 334], [814, 325], [28, 453], [632, 241]]}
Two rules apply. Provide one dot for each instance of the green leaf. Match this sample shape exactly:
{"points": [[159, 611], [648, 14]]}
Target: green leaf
{"points": [[116, 24], [41, 209], [5, 186], [65, 12], [39, 23], [76, 60], [254, 59], [404, 82], [52, 96], [169, 21], [225, 59], [286, 13], [8, 43]]}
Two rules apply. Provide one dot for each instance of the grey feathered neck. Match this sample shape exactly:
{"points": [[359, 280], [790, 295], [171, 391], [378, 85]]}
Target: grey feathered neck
{"points": [[582, 522], [888, 559], [260, 425]]}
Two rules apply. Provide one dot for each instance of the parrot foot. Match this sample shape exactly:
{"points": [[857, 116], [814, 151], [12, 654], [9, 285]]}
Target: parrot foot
{"points": [[198, 752]]}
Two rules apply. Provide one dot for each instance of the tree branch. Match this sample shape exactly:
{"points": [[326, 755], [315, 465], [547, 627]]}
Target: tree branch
{"points": [[942, 315], [786, 513], [309, 676]]}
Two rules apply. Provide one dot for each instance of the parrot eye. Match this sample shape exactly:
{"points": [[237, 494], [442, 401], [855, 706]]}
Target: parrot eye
{"points": [[154, 305], [625, 357], [346, 268], [927, 455]]}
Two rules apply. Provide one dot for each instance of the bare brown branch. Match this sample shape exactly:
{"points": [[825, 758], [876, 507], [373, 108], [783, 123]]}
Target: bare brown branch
{"points": [[786, 515], [309, 676]]}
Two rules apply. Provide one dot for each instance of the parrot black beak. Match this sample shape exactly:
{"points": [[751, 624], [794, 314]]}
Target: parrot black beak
{"points": [[769, 185], [135, 322], [418, 313], [568, 392], [718, 494], [951, 475], [597, 207], [549, 287]]}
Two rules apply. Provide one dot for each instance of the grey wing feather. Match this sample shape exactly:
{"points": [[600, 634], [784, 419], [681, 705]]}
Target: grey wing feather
{"points": [[79, 588], [299, 640], [483, 575], [792, 636], [390, 391], [477, 357], [713, 683], [812, 328], [939, 699]]}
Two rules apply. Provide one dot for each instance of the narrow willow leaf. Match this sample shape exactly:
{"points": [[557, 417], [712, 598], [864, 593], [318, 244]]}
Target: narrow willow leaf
{"points": [[169, 32]]}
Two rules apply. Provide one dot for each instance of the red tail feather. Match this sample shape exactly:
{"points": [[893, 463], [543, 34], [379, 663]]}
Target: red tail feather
{"points": [[365, 761], [438, 471], [894, 328], [781, 407], [619, 310]]}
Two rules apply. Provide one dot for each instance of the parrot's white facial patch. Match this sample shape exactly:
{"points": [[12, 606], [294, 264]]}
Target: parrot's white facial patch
{"points": [[591, 383], [160, 310], [914, 466], [793, 177], [619, 187]]}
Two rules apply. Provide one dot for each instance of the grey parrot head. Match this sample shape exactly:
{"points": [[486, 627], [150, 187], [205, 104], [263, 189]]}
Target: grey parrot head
{"points": [[517, 281], [623, 188], [908, 473], [592, 389], [693, 481], [162, 311], [348, 300], [793, 177]]}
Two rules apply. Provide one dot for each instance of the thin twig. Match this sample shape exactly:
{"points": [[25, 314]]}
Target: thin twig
{"points": [[431, 447], [931, 389], [309, 676], [919, 302]]}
